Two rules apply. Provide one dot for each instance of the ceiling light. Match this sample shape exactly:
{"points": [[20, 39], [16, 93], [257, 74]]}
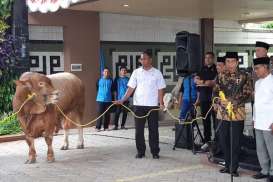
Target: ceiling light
{"points": [[125, 5]]}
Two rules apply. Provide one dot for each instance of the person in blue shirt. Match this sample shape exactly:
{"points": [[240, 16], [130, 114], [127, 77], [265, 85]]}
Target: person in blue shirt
{"points": [[186, 103], [120, 85], [104, 98]]}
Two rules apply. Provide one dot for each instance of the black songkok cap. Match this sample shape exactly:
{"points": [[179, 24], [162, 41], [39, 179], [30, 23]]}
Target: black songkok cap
{"points": [[262, 44], [232, 55], [220, 60], [262, 60]]}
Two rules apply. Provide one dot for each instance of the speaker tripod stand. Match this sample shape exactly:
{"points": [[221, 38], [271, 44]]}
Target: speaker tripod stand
{"points": [[191, 135], [190, 128]]}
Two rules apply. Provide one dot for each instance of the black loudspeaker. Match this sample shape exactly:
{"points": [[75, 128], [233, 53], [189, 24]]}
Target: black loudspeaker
{"points": [[183, 134], [188, 53]]}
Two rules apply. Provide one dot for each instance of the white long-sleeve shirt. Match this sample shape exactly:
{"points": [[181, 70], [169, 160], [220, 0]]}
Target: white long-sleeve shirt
{"points": [[263, 105]]}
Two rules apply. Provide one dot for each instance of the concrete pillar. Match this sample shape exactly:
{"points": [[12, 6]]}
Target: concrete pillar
{"points": [[20, 32], [207, 34], [81, 46]]}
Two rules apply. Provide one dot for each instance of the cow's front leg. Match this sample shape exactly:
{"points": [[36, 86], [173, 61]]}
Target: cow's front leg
{"points": [[32, 153], [50, 153]]}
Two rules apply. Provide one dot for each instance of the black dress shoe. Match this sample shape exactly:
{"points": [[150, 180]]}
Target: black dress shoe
{"points": [[139, 156], [259, 176], [269, 179], [155, 156], [123, 128], [235, 174], [224, 170]]}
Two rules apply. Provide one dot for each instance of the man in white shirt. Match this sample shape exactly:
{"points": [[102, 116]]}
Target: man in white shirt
{"points": [[148, 84], [271, 64], [263, 117]]}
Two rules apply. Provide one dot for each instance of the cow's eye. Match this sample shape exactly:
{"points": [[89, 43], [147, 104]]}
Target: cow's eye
{"points": [[41, 84]]}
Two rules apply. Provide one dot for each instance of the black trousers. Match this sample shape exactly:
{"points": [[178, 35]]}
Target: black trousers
{"points": [[124, 111], [102, 107], [205, 106], [153, 129], [214, 120], [237, 130], [216, 126]]}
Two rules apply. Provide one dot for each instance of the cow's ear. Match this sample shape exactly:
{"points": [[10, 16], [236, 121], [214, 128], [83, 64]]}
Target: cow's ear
{"points": [[18, 82], [23, 82], [37, 108]]}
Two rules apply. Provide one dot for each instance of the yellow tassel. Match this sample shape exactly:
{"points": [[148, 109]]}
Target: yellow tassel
{"points": [[222, 96], [229, 107], [30, 96]]}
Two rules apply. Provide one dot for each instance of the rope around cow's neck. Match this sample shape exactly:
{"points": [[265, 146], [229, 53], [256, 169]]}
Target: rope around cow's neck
{"points": [[13, 115], [112, 105]]}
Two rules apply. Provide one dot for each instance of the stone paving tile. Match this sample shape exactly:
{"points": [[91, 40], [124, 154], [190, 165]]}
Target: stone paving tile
{"points": [[109, 157]]}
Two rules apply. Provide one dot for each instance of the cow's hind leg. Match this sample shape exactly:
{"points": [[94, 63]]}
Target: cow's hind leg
{"points": [[78, 117], [67, 125], [50, 153], [80, 138], [32, 153], [66, 143]]}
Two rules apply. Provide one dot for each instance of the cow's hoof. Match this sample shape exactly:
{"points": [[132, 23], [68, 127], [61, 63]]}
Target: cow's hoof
{"points": [[64, 148], [30, 161], [50, 159], [81, 146]]}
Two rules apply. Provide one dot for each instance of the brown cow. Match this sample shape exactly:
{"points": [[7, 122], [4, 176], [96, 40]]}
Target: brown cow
{"points": [[40, 117]]}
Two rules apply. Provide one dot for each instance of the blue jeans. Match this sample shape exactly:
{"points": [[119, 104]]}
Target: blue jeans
{"points": [[185, 108]]}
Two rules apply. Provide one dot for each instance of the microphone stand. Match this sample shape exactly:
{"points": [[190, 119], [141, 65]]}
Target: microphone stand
{"points": [[231, 148], [224, 111], [234, 91]]}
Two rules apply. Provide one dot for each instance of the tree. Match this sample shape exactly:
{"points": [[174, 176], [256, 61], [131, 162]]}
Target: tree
{"points": [[7, 73], [3, 28], [268, 25]]}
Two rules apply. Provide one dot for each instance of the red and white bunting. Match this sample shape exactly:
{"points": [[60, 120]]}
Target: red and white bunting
{"points": [[45, 6]]}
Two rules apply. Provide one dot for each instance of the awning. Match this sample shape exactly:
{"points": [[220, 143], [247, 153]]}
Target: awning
{"points": [[45, 6]]}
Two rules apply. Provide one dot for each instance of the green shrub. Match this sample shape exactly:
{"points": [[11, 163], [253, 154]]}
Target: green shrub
{"points": [[9, 125]]}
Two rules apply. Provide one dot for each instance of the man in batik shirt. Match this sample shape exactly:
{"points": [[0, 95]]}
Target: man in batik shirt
{"points": [[237, 87]]}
